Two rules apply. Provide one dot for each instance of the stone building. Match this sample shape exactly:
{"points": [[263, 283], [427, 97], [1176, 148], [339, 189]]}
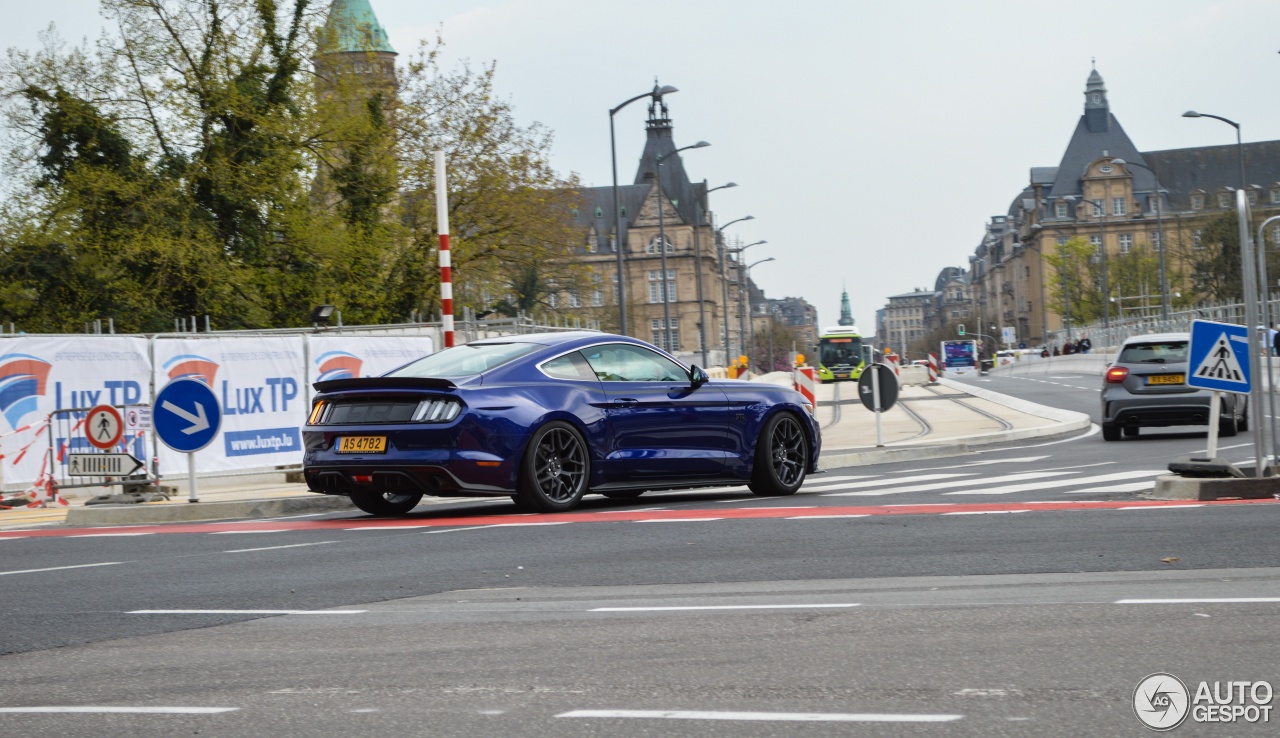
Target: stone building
{"points": [[906, 319]]}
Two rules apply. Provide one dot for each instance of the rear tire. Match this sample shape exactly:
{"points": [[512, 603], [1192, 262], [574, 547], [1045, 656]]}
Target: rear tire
{"points": [[555, 469], [1227, 428], [1242, 424], [782, 457], [1131, 431], [1110, 432], [386, 504]]}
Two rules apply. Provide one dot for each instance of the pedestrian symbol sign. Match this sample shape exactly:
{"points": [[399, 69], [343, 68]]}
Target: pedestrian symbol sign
{"points": [[103, 426], [1219, 357]]}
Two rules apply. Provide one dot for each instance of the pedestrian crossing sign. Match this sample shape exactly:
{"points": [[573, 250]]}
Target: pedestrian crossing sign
{"points": [[1219, 357]]}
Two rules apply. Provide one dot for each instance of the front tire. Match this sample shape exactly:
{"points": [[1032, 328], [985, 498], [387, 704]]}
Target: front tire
{"points": [[386, 504], [782, 457], [555, 469]]}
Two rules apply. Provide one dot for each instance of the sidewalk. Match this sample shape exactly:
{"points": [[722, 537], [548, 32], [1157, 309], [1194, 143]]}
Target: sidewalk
{"points": [[948, 419]]}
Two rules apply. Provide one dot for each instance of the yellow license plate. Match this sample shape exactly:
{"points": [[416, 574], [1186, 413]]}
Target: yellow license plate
{"points": [[1165, 379], [362, 445]]}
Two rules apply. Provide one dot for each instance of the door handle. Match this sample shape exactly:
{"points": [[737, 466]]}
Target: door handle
{"points": [[625, 402]]}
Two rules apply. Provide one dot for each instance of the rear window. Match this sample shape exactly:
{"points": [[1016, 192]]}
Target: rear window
{"points": [[465, 361], [1154, 352]]}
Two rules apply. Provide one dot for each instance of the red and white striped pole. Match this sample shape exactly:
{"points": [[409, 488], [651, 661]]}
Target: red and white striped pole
{"points": [[933, 368], [446, 262]]}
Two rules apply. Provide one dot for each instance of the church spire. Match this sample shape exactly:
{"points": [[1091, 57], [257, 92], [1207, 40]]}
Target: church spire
{"points": [[353, 26], [846, 314]]}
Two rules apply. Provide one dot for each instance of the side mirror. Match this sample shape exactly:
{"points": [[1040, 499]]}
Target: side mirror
{"points": [[698, 376]]}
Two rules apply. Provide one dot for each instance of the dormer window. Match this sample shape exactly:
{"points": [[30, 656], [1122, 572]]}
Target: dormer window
{"points": [[1253, 196], [1197, 201], [1275, 195], [652, 248], [1224, 199], [1060, 208]]}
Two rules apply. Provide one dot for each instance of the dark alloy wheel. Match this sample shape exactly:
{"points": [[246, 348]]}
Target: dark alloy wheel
{"points": [[386, 503], [782, 457], [555, 470]]}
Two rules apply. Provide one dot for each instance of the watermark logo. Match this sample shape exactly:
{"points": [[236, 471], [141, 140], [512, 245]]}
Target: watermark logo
{"points": [[1161, 701], [338, 365], [23, 378], [191, 366]]}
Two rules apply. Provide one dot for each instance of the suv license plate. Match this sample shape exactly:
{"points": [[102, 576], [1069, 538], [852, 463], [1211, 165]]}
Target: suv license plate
{"points": [[1165, 379], [362, 445]]}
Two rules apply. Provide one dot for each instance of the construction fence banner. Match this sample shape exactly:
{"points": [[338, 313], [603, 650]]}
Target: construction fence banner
{"points": [[41, 374], [260, 383], [351, 357]]}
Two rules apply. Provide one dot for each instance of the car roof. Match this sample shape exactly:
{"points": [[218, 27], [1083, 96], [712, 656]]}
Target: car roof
{"points": [[546, 339], [1157, 337]]}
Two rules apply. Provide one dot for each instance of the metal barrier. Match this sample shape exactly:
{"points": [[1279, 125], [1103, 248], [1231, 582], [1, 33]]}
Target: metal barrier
{"points": [[74, 463]]}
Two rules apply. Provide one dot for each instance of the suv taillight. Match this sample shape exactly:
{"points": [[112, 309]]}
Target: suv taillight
{"points": [[1116, 374]]}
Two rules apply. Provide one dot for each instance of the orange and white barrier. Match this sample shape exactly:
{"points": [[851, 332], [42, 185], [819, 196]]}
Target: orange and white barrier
{"points": [[806, 383], [893, 361], [933, 368]]}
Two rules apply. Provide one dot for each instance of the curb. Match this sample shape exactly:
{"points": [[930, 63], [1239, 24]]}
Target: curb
{"points": [[175, 513], [1174, 487]]}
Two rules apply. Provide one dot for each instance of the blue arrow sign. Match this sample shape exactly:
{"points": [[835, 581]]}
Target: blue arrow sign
{"points": [[187, 415], [1219, 357]]}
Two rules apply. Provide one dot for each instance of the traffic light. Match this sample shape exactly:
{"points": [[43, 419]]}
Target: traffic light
{"points": [[962, 329]]}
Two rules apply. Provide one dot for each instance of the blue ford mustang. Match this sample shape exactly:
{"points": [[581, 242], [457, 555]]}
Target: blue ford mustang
{"points": [[547, 418]]}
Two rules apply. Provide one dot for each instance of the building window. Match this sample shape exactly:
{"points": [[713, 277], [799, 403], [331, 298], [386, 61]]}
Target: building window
{"points": [[1096, 242], [1027, 271], [574, 300], [1060, 210], [553, 300], [1097, 208], [1253, 197], [1156, 243], [597, 297], [1062, 240], [1197, 242], [1275, 197], [655, 286], [652, 248], [1275, 235], [1126, 242], [592, 240], [672, 334], [1197, 202], [1117, 206], [1224, 199]]}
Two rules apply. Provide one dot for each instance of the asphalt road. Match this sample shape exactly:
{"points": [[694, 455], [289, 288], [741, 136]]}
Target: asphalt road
{"points": [[977, 595]]}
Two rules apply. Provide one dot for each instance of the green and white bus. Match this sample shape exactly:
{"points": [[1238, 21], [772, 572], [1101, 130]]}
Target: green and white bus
{"points": [[840, 354]]}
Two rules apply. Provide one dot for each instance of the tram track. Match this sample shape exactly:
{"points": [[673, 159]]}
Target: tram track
{"points": [[926, 428]]}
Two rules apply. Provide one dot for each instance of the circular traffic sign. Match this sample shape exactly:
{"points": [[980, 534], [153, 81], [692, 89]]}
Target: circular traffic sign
{"points": [[103, 426], [888, 387], [186, 415]]}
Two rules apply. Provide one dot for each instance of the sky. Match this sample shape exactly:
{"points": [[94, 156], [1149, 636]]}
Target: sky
{"points": [[871, 141]]}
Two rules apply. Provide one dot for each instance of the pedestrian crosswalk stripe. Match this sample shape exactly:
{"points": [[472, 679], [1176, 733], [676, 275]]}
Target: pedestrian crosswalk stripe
{"points": [[882, 482], [949, 484], [1008, 489], [1221, 363]]}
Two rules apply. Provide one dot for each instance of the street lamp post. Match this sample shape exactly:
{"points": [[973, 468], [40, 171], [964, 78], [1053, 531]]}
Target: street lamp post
{"points": [[662, 248], [743, 305], [750, 317], [697, 247], [1253, 312], [657, 94], [724, 278], [1164, 276]]}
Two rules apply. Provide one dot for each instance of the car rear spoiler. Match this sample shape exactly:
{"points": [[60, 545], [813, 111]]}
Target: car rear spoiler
{"points": [[333, 385]]}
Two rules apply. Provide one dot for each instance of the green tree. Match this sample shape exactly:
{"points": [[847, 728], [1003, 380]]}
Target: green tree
{"points": [[1078, 280]]}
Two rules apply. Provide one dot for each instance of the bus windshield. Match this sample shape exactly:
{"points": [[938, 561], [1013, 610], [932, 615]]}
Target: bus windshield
{"points": [[840, 351]]}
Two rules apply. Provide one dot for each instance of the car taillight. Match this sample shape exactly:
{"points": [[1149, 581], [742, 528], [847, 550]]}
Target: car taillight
{"points": [[1116, 374], [436, 411], [315, 413]]}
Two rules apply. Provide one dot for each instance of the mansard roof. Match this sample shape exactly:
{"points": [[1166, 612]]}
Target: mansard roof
{"points": [[1210, 168], [1087, 146]]}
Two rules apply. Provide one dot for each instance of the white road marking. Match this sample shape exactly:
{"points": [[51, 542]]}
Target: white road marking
{"points": [[1191, 601], [1008, 489], [825, 517], [274, 548], [526, 525], [882, 482], [1134, 487], [973, 463], [922, 504], [986, 512], [1156, 507], [60, 568], [245, 612], [803, 717], [1223, 448], [1094, 429], [110, 535], [720, 607], [950, 484], [678, 520], [103, 709], [238, 532], [824, 479]]}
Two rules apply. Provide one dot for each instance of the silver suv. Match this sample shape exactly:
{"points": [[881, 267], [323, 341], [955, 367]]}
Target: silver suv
{"points": [[1146, 388]]}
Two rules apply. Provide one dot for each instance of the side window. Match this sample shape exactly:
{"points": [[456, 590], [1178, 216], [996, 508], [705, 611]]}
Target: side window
{"points": [[620, 362], [569, 366]]}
